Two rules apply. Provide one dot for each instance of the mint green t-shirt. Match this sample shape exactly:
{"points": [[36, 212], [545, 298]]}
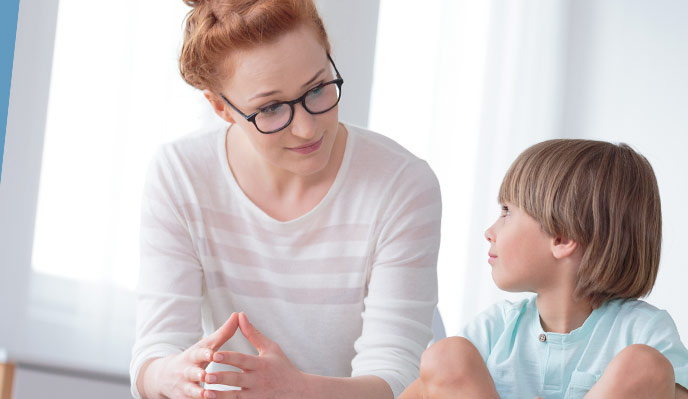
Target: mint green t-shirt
{"points": [[525, 361]]}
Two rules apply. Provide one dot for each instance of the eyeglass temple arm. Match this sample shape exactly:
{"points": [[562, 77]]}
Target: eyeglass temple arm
{"points": [[335, 66]]}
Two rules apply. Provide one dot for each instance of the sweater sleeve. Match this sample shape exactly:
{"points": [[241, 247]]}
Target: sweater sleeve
{"points": [[402, 287], [169, 292]]}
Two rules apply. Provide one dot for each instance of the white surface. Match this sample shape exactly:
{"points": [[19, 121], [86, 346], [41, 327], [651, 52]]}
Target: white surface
{"points": [[32, 384]]}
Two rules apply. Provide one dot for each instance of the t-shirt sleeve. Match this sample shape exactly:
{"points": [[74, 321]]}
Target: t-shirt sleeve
{"points": [[169, 292], [661, 333], [402, 287], [484, 330]]}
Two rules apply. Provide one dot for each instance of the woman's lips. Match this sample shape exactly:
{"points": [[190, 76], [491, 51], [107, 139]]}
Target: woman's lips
{"points": [[308, 148]]}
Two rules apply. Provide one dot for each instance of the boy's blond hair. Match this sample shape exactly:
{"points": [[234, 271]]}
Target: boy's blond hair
{"points": [[604, 197]]}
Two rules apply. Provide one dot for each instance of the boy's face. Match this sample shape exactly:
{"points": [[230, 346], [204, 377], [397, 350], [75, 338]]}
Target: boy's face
{"points": [[520, 252]]}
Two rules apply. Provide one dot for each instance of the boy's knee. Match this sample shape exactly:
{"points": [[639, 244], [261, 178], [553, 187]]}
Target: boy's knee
{"points": [[643, 366], [449, 361]]}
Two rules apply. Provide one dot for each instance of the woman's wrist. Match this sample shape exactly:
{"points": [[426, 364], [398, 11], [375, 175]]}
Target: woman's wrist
{"points": [[147, 378]]}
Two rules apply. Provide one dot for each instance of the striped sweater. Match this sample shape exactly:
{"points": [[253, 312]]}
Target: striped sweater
{"points": [[348, 289]]}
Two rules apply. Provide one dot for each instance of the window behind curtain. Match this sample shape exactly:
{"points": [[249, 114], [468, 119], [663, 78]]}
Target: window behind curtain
{"points": [[115, 96]]}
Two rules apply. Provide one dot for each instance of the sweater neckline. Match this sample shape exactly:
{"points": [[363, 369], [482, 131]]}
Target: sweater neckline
{"points": [[254, 209]]}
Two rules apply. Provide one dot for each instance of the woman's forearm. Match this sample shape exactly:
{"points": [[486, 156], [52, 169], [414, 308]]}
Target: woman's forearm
{"points": [[364, 387]]}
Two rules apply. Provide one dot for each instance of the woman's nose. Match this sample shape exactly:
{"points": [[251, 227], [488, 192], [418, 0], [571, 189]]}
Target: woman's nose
{"points": [[303, 123]]}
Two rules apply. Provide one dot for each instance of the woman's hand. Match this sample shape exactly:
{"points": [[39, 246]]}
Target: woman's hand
{"points": [[270, 375], [179, 376]]}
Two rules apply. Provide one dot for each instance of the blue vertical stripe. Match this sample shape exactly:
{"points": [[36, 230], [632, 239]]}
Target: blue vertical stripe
{"points": [[9, 10]]}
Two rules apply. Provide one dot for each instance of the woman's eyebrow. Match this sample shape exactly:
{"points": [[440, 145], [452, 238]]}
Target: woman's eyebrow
{"points": [[271, 92], [266, 94], [313, 79]]}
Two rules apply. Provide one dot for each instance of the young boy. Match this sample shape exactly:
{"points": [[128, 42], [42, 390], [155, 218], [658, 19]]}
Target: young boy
{"points": [[581, 228]]}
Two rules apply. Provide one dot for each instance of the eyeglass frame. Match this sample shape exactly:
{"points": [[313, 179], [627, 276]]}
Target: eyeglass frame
{"points": [[252, 117]]}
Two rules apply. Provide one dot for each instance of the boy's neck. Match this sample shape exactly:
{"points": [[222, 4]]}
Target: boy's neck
{"points": [[559, 313]]}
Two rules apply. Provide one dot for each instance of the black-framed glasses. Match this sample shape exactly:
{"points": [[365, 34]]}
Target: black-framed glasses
{"points": [[275, 117]]}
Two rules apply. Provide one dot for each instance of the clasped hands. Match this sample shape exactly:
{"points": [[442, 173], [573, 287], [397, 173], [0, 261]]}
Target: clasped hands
{"points": [[268, 375]]}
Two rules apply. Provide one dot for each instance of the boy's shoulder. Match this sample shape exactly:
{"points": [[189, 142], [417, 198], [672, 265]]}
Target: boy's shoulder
{"points": [[631, 309], [633, 315], [515, 308], [508, 310]]}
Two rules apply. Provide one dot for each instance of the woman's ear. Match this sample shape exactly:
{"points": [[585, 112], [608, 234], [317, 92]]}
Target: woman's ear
{"points": [[563, 247], [218, 105]]}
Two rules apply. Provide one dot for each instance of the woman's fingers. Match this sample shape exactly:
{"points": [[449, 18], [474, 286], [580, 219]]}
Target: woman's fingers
{"points": [[195, 374], [237, 359], [232, 378], [202, 352], [200, 355], [255, 337], [234, 395], [215, 340], [193, 391]]}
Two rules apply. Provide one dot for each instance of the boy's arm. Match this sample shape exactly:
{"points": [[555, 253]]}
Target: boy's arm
{"points": [[681, 392]]}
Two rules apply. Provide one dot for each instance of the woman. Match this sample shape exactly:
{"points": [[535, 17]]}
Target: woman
{"points": [[324, 234]]}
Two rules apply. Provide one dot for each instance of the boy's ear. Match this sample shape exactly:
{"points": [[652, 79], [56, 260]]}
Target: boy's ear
{"points": [[219, 106], [563, 247]]}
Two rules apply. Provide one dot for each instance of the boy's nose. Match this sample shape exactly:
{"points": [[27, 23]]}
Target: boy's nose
{"points": [[489, 234]]}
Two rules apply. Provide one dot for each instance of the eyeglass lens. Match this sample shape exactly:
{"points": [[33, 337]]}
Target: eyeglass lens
{"points": [[317, 100]]}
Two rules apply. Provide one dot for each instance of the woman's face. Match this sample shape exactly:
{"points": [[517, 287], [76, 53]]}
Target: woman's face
{"points": [[282, 71]]}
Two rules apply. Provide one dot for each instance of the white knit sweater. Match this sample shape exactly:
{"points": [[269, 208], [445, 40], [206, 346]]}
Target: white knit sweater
{"points": [[347, 289]]}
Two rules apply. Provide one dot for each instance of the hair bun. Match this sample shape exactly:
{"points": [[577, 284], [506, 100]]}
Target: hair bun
{"points": [[194, 3]]}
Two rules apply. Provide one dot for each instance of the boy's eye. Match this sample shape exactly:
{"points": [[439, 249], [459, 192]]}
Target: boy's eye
{"points": [[505, 211]]}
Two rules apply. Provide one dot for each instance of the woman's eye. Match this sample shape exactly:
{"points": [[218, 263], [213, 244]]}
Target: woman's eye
{"points": [[315, 92], [271, 109]]}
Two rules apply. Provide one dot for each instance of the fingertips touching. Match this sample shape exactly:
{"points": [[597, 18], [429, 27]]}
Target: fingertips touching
{"points": [[223, 334]]}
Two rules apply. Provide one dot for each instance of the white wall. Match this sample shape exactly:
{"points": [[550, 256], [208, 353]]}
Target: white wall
{"points": [[627, 81], [352, 29]]}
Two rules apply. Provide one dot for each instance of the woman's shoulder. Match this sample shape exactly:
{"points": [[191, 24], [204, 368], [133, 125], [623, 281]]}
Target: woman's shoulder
{"points": [[378, 147], [195, 146], [376, 153], [188, 161]]}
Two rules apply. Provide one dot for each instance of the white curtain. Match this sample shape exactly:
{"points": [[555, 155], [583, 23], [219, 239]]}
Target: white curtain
{"points": [[467, 85], [115, 96]]}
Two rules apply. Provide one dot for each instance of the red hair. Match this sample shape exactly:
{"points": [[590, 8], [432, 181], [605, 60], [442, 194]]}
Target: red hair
{"points": [[215, 28]]}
